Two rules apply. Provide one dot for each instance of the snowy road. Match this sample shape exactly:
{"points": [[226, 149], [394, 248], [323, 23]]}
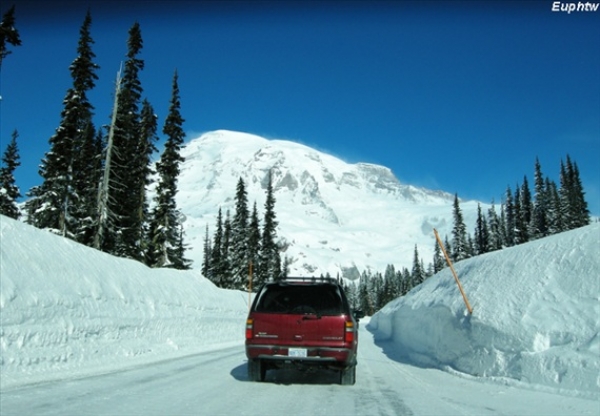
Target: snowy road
{"points": [[215, 383]]}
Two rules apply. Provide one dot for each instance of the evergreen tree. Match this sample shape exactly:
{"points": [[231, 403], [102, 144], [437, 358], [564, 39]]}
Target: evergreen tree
{"points": [[418, 274], [240, 234], [460, 245], [9, 191], [207, 250], [58, 204], [495, 229], [510, 216], [526, 209], [226, 271], [216, 272], [126, 179], [574, 207], [364, 301], [270, 262], [407, 279], [165, 224], [482, 235], [539, 219], [87, 177], [8, 33], [521, 235], [555, 221], [254, 241], [104, 234], [389, 291], [438, 260], [180, 262]]}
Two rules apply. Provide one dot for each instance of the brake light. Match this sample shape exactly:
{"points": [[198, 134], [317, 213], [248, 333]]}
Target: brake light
{"points": [[249, 327], [349, 332]]}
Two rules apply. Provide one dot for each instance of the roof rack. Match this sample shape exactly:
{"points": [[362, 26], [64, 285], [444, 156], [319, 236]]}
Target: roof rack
{"points": [[313, 279]]}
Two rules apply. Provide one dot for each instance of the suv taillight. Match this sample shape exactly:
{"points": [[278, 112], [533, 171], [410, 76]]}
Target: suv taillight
{"points": [[348, 333], [249, 327]]}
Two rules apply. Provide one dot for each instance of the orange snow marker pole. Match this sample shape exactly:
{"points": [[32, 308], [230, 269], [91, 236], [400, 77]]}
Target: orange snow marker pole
{"points": [[462, 292]]}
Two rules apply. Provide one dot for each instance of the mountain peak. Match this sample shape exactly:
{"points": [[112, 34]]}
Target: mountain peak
{"points": [[334, 217]]}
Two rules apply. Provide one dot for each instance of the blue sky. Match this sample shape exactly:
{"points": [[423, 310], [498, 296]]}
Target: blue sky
{"points": [[457, 96]]}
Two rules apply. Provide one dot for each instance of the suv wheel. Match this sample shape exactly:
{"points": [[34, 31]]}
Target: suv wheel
{"points": [[256, 370], [348, 376]]}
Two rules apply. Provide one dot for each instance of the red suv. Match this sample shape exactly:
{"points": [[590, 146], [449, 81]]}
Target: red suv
{"points": [[302, 323]]}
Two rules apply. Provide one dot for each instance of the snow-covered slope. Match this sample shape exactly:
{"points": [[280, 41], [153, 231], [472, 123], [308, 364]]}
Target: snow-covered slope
{"points": [[68, 310], [536, 315], [335, 217]]}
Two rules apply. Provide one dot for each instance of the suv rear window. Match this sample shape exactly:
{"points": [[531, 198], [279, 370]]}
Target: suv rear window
{"points": [[320, 299]]}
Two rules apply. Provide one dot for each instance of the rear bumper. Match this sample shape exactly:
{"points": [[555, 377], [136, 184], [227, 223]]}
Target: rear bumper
{"points": [[325, 356]]}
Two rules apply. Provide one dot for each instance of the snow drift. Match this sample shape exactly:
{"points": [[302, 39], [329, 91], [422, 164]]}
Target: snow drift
{"points": [[68, 309], [536, 316]]}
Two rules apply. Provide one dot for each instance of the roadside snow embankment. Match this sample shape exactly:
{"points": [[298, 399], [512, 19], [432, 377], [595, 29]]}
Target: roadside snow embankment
{"points": [[68, 310], [536, 316]]}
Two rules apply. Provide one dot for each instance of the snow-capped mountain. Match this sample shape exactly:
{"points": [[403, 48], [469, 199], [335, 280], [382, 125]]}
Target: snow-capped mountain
{"points": [[333, 216]]}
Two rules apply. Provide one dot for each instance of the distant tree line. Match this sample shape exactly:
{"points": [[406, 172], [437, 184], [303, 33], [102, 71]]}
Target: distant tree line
{"points": [[522, 217], [240, 247], [96, 180]]}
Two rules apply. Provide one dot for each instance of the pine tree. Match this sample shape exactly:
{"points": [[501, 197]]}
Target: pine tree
{"points": [[460, 246], [226, 271], [389, 291], [270, 262], [510, 216], [364, 300], [520, 222], [216, 272], [524, 213], [418, 274], [180, 262], [9, 191], [165, 224], [8, 33], [127, 164], [438, 259], [105, 226], [539, 219], [87, 177], [576, 213], [206, 255], [254, 242], [482, 235], [58, 203], [240, 234], [555, 220], [495, 229]]}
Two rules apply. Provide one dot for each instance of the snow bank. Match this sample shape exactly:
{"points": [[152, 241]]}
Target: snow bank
{"points": [[536, 315], [68, 310]]}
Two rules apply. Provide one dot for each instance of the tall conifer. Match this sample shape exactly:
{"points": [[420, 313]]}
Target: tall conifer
{"points": [[460, 246], [8, 33], [58, 204], [125, 184], [9, 191], [165, 225]]}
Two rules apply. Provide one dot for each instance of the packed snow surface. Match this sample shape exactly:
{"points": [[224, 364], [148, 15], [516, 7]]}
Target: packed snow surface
{"points": [[67, 311]]}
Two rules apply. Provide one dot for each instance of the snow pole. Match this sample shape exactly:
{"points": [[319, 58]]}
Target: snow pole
{"points": [[462, 292]]}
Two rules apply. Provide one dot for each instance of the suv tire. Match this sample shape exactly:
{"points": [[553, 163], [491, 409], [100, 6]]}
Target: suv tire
{"points": [[256, 370], [348, 376]]}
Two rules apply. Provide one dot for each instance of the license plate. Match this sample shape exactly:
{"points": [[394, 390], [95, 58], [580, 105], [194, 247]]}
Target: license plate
{"points": [[297, 352]]}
